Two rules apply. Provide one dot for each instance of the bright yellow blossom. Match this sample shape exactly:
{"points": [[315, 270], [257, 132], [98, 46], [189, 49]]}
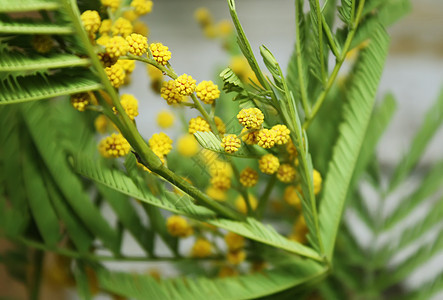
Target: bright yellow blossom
{"points": [[281, 134], [251, 118], [121, 27], [91, 20], [160, 143], [80, 101], [231, 143], [266, 138], [187, 145], [202, 248], [198, 124], [160, 53], [170, 93], [185, 84], [165, 119], [116, 47], [248, 177], [241, 205], [114, 146], [142, 7], [116, 74], [268, 164], [234, 241], [178, 226], [113, 4], [286, 173], [207, 92], [138, 44]]}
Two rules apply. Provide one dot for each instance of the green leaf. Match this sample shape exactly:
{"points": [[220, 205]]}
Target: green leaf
{"points": [[357, 112], [82, 282], [15, 62], [252, 228], [345, 11], [432, 122], [250, 286], [8, 6], [29, 26], [38, 87], [429, 290]]}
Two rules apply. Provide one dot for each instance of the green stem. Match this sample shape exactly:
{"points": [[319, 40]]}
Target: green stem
{"points": [[331, 42], [152, 62], [320, 41], [321, 98], [265, 197], [205, 115], [38, 257]]}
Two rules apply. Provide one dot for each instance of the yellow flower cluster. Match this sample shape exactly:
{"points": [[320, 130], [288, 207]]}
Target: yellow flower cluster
{"points": [[178, 226], [105, 27], [251, 118], [42, 43], [231, 143], [130, 105], [291, 197], [234, 241], [187, 145], [114, 146], [198, 124], [116, 47], [266, 138], [91, 21], [106, 60], [216, 194], [248, 177], [286, 173], [170, 94], [142, 7], [250, 138], [138, 44], [221, 127], [116, 74], [281, 134], [207, 92], [185, 84], [112, 4], [165, 119], [241, 205], [121, 27], [160, 53], [127, 65], [268, 164], [160, 144], [221, 182], [202, 248], [80, 101]]}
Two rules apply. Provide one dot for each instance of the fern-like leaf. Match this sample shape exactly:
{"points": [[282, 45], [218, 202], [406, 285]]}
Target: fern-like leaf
{"points": [[8, 6]]}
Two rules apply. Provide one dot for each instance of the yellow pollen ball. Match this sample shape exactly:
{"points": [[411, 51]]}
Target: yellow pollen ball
{"points": [[202, 248], [234, 241], [114, 146], [251, 118], [231, 143], [268, 164], [138, 44], [113, 4], [281, 134], [160, 143], [160, 53], [80, 101], [121, 27], [207, 92], [185, 85], [286, 173], [128, 65], [116, 74], [250, 138], [216, 194], [142, 7], [170, 93], [241, 205], [248, 177], [291, 196], [236, 257], [91, 20], [178, 226], [116, 47], [165, 119], [221, 182], [130, 105], [105, 27], [221, 127], [198, 124], [187, 145], [266, 138]]}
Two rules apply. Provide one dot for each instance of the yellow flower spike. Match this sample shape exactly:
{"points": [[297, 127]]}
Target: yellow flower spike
{"points": [[80, 101], [203, 16], [178, 226], [251, 118], [281, 134], [121, 27], [160, 53], [170, 94], [231, 143], [140, 28], [221, 182], [116, 74], [105, 27], [114, 146], [234, 241], [266, 138], [42, 43], [185, 84], [221, 127], [112, 4], [286, 173], [236, 257], [207, 91], [130, 105], [202, 248], [116, 47], [160, 143], [248, 177], [198, 124], [142, 7], [250, 138], [187, 145], [128, 65], [241, 206], [165, 119], [138, 44], [101, 124], [91, 20], [291, 197], [268, 164], [317, 181], [216, 194]]}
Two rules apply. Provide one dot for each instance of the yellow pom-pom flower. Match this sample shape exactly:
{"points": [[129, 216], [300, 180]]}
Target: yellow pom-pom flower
{"points": [[207, 92], [116, 74], [266, 138], [130, 105], [231, 143], [281, 134], [198, 124], [236, 257], [292, 150], [286, 173], [178, 226], [250, 138], [128, 65], [185, 84], [138, 44], [221, 127], [105, 27], [42, 43], [103, 40], [221, 182], [225, 27], [187, 145], [80, 101], [202, 248], [116, 47], [291, 196], [268, 164], [234, 241], [165, 119], [241, 205], [248, 177], [160, 53], [170, 93], [216, 194], [130, 15], [91, 20], [121, 27], [251, 118], [160, 143], [142, 7], [218, 167], [317, 181], [101, 124], [114, 146], [112, 4]]}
